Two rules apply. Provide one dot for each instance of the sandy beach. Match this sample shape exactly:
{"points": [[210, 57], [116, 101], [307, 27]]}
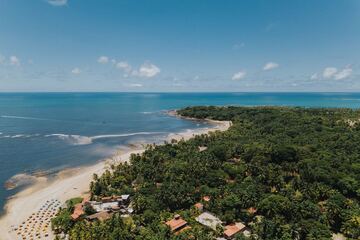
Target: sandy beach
{"points": [[33, 207]]}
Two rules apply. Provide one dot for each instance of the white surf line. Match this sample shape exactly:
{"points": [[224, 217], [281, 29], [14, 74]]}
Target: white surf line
{"points": [[27, 118]]}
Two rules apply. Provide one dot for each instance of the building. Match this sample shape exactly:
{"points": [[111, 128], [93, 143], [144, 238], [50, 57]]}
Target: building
{"points": [[104, 206], [176, 224], [199, 206], [202, 148], [113, 203], [233, 229], [101, 216], [206, 198], [78, 209], [209, 220]]}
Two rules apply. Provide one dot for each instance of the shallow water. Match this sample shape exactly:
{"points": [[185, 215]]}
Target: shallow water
{"points": [[52, 131]]}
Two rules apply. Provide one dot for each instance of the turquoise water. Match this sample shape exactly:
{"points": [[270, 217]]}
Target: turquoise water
{"points": [[53, 131]]}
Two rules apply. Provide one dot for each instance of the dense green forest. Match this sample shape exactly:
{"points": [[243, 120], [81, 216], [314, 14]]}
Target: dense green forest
{"points": [[287, 173]]}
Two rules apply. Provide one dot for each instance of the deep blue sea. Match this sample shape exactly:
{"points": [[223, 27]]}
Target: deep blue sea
{"points": [[53, 131]]}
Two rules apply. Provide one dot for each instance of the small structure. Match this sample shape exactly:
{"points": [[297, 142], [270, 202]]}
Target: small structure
{"points": [[101, 216], [108, 199], [78, 209], [208, 220], [106, 206], [125, 199], [113, 203], [199, 206], [251, 210], [234, 160], [206, 198], [233, 229], [202, 148], [176, 224]]}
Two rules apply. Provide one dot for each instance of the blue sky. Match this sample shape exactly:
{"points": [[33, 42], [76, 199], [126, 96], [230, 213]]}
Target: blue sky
{"points": [[179, 45]]}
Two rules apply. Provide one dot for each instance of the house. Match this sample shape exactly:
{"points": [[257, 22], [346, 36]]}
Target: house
{"points": [[78, 209], [233, 229], [202, 148], [176, 224], [110, 199], [101, 216], [106, 199], [206, 198], [199, 206], [104, 206], [125, 199], [113, 203], [209, 220]]}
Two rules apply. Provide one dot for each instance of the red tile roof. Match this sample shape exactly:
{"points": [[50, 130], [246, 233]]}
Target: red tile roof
{"points": [[206, 198], [78, 208], [176, 223], [199, 206], [78, 211], [231, 230]]}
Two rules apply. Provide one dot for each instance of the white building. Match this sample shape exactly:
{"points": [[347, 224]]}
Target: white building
{"points": [[209, 220]]}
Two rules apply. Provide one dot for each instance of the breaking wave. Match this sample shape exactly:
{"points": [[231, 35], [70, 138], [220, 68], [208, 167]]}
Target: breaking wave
{"points": [[72, 139], [19, 135], [84, 140], [22, 117]]}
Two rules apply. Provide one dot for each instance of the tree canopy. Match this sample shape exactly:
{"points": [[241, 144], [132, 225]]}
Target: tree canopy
{"points": [[288, 173]]}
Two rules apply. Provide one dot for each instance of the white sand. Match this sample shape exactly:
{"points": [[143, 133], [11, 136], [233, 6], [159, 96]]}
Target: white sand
{"points": [[68, 184]]}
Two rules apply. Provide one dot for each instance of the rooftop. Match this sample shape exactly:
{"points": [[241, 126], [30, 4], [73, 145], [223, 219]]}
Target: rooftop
{"points": [[202, 148], [199, 206], [232, 229], [209, 220], [100, 216], [176, 223], [206, 198], [78, 211]]}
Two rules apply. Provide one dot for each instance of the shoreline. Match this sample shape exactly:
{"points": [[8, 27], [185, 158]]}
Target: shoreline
{"points": [[75, 182]]}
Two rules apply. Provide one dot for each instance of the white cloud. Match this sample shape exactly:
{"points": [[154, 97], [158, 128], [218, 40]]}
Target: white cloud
{"points": [[345, 73], [15, 61], [124, 66], [147, 70], [239, 75], [103, 59], [57, 3], [314, 76], [135, 85], [270, 65], [329, 72], [196, 78], [76, 71]]}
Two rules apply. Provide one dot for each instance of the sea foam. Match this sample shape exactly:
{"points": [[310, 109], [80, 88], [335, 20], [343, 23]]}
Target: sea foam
{"points": [[84, 140]]}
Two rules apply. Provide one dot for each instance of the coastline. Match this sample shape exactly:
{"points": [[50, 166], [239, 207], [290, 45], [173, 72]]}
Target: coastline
{"points": [[75, 182]]}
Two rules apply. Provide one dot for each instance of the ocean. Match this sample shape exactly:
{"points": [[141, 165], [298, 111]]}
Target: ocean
{"points": [[49, 132]]}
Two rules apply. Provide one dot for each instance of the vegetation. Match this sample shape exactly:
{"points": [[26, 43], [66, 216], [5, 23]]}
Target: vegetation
{"points": [[63, 221], [288, 173]]}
